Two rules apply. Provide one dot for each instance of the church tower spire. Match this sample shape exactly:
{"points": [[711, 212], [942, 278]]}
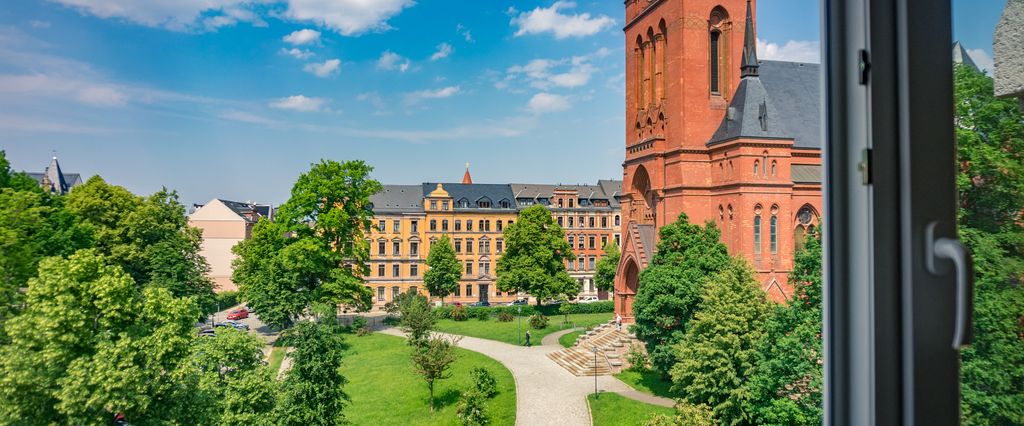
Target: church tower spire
{"points": [[466, 178], [748, 68]]}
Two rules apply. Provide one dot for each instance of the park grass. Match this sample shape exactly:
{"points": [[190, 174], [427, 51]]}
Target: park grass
{"points": [[612, 409], [569, 339], [647, 381], [384, 389], [508, 332], [276, 357]]}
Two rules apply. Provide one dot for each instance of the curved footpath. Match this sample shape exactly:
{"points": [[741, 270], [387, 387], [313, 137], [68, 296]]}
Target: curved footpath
{"points": [[547, 394]]}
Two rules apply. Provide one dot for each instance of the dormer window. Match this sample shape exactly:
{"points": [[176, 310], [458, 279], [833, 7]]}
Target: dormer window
{"points": [[464, 203], [483, 203], [504, 203]]}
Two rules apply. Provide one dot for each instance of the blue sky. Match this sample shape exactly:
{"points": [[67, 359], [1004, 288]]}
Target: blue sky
{"points": [[234, 98]]}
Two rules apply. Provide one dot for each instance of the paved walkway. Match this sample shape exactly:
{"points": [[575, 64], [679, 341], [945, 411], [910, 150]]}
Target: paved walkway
{"points": [[552, 339], [546, 394]]}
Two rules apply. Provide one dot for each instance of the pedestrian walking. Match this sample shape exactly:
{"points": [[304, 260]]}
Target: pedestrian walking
{"points": [[527, 338], [618, 322]]}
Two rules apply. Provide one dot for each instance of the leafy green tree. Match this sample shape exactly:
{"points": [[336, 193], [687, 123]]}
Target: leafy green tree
{"points": [[990, 143], [786, 386], [433, 360], [91, 344], [315, 253], [671, 287], [417, 318], [535, 256], [604, 275], [472, 410], [312, 391], [720, 348], [686, 415], [232, 373], [444, 269]]}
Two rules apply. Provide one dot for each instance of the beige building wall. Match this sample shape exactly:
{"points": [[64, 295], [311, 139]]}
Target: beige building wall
{"points": [[222, 229]]}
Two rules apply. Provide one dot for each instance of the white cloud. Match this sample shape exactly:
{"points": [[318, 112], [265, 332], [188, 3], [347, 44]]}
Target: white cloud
{"points": [[247, 117], [297, 53], [547, 102], [391, 61], [543, 20], [374, 99], [177, 15], [299, 103], [102, 96], [39, 24], [301, 37], [544, 74], [464, 32], [982, 59], [443, 92], [793, 50], [443, 51], [325, 69], [348, 17]]}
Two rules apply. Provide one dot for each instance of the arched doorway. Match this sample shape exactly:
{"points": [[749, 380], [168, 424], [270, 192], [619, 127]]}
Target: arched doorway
{"points": [[627, 290], [641, 208]]}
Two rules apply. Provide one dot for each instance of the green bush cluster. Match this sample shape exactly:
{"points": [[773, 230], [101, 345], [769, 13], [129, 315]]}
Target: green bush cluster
{"points": [[480, 314], [485, 312], [538, 321], [458, 313], [505, 317], [484, 382]]}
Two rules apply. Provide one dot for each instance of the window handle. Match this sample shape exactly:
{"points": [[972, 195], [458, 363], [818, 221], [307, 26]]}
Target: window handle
{"points": [[953, 250]]}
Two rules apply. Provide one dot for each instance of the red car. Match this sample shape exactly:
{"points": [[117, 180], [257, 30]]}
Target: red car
{"points": [[238, 314]]}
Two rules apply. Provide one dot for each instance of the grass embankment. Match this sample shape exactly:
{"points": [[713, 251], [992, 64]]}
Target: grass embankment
{"points": [[386, 391], [509, 333], [611, 409], [647, 381], [569, 339], [276, 357]]}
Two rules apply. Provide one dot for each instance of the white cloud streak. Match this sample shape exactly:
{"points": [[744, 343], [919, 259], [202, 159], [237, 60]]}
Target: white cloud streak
{"points": [[299, 103], [391, 61], [548, 102], [325, 69], [551, 20], [302, 37], [443, 51], [792, 50]]}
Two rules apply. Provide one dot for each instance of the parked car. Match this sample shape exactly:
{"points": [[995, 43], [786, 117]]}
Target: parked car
{"points": [[554, 302], [233, 324], [481, 303], [519, 301], [238, 314], [588, 299], [207, 332]]}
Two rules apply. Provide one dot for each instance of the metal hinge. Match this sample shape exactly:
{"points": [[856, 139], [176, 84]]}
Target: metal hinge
{"points": [[864, 66], [865, 166]]}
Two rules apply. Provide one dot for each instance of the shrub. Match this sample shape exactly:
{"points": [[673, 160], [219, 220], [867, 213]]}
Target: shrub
{"points": [[602, 307], [637, 358], [459, 313], [359, 322], [363, 331], [538, 321], [484, 382], [472, 410], [482, 314], [392, 320], [505, 317]]}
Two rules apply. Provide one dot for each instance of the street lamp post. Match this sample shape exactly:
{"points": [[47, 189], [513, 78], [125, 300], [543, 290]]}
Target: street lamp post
{"points": [[519, 326], [596, 394]]}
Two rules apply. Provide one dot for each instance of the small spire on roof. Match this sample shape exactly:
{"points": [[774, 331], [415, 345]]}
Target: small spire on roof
{"points": [[748, 68], [466, 178]]}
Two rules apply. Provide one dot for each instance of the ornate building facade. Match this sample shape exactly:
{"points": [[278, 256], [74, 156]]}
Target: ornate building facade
{"points": [[411, 218], [718, 135]]}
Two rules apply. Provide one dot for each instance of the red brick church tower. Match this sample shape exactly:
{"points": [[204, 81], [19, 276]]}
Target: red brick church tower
{"points": [[714, 133]]}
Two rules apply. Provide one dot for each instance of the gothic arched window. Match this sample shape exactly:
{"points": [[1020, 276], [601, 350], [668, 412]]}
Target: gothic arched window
{"points": [[774, 234], [756, 167], [716, 37], [716, 60], [757, 234]]}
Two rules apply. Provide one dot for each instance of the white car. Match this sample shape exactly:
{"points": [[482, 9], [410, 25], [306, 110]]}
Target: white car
{"points": [[588, 299]]}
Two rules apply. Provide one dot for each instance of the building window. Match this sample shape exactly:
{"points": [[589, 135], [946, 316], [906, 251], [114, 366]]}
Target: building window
{"points": [[469, 268], [604, 221], [571, 221], [570, 203], [458, 225], [433, 204], [433, 224], [484, 204], [580, 240], [414, 249], [458, 245], [618, 242], [469, 290], [414, 270], [498, 245], [480, 226], [444, 225], [560, 224], [757, 234], [464, 203], [396, 270], [485, 268], [397, 226], [572, 241], [774, 239], [469, 225], [756, 167], [381, 248], [469, 245], [765, 171], [715, 41], [414, 225], [773, 168], [483, 246], [498, 226], [380, 294], [487, 226], [591, 263], [604, 240], [560, 203], [380, 270], [396, 248], [382, 225], [458, 291], [580, 263], [504, 204], [617, 222], [444, 205], [571, 265], [592, 218], [394, 293], [592, 240]]}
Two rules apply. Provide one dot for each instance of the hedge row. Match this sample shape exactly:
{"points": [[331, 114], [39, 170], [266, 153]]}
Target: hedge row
{"points": [[482, 312], [220, 301]]}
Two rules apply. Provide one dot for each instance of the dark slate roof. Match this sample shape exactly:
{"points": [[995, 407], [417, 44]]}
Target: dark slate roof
{"points": [[475, 192], [611, 188], [791, 93], [249, 211], [604, 190], [60, 182], [398, 199], [806, 173]]}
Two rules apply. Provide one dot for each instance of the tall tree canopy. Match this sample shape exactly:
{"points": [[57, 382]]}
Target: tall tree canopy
{"points": [[312, 392], [316, 251], [445, 270], [990, 143], [604, 276], [718, 353], [535, 256], [670, 288]]}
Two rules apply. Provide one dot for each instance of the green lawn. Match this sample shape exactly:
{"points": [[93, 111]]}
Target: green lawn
{"points": [[507, 331], [276, 357], [611, 409], [386, 391], [569, 339], [648, 381]]}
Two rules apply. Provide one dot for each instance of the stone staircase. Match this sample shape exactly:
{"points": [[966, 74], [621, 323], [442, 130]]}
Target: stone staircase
{"points": [[612, 346]]}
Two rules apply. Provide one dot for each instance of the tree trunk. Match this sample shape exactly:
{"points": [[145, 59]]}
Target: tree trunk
{"points": [[430, 385]]}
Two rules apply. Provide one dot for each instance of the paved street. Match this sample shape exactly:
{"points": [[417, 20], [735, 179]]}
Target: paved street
{"points": [[547, 394]]}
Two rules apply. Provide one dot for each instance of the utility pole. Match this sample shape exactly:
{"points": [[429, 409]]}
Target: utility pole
{"points": [[519, 326], [596, 394]]}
